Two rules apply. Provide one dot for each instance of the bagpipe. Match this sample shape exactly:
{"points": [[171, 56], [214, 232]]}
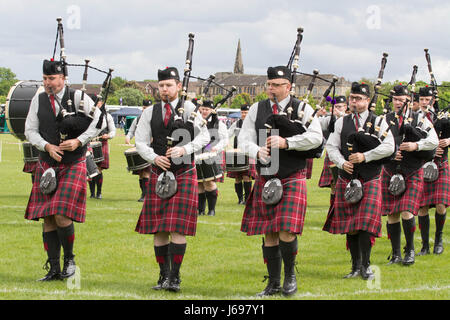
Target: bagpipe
{"points": [[441, 124], [74, 122]]}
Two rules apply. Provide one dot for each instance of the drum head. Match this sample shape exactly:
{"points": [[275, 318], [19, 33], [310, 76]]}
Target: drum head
{"points": [[397, 185], [430, 171], [166, 186], [353, 191], [272, 191], [18, 103]]}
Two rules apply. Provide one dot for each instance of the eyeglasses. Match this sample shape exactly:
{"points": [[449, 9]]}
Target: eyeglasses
{"points": [[355, 98], [275, 85]]}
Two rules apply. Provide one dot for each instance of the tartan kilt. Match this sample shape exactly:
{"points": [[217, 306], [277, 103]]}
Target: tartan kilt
{"points": [[177, 214], [288, 215], [326, 177], [365, 215], [30, 166], [69, 199], [409, 200], [105, 149], [438, 192]]}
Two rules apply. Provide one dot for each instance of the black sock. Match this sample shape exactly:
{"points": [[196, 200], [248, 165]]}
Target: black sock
{"points": [[176, 252], [211, 196], [424, 226], [52, 245], [247, 188], [238, 190], [163, 258], [394, 233], [289, 253], [355, 250], [67, 237], [272, 259], [99, 184], [365, 245], [440, 221], [145, 182], [92, 186], [409, 227], [201, 202]]}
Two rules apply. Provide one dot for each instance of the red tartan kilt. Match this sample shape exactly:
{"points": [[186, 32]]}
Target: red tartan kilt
{"points": [[177, 214], [105, 149], [29, 167], [326, 177], [438, 192], [409, 200], [69, 199], [365, 215], [288, 215]]}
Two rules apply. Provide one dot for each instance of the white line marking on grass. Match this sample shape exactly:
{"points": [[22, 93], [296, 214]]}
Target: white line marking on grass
{"points": [[127, 295]]}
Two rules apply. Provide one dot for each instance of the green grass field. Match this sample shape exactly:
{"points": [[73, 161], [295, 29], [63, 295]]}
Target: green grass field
{"points": [[221, 262]]}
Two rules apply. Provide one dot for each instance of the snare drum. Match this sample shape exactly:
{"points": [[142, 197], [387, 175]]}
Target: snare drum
{"points": [[236, 161], [134, 160], [208, 167], [91, 166], [97, 151], [30, 153], [18, 103]]}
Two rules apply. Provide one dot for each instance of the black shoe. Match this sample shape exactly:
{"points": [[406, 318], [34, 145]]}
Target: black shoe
{"points": [[162, 279], [172, 284], [409, 258], [99, 196], [438, 247], [211, 213], [273, 287], [201, 213], [366, 273], [395, 259], [356, 271], [92, 196], [141, 199], [289, 285], [54, 270], [69, 268], [424, 251]]}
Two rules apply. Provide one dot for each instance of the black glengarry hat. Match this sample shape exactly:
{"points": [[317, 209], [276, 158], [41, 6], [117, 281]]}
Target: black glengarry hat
{"points": [[400, 90], [245, 107], [341, 99], [425, 92], [168, 73], [280, 72], [51, 67], [360, 88]]}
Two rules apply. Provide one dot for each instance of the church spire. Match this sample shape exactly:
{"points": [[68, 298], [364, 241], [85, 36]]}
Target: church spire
{"points": [[238, 64]]}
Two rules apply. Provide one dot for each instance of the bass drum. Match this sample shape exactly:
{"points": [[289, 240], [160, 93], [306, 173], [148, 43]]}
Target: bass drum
{"points": [[18, 104]]}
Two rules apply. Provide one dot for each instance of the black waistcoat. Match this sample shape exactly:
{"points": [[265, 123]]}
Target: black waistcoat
{"points": [[365, 170], [411, 161], [290, 161], [160, 134], [48, 128]]}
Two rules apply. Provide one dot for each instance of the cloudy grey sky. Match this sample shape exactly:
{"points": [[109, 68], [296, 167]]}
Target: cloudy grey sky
{"points": [[136, 38]]}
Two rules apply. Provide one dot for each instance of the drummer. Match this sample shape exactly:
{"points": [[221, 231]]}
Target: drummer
{"points": [[243, 179], [144, 174], [207, 190], [106, 134]]}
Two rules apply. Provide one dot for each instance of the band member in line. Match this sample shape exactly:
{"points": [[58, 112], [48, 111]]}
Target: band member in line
{"points": [[68, 202], [144, 174], [360, 221], [207, 190], [243, 179], [327, 178], [169, 220], [106, 134], [408, 163], [436, 194], [279, 223]]}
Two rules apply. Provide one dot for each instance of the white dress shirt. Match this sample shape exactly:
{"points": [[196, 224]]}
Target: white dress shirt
{"points": [[144, 132], [311, 139], [32, 121]]}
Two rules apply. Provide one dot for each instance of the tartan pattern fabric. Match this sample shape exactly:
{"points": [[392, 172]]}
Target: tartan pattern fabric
{"points": [[326, 177], [438, 192], [409, 200], [177, 214], [287, 215], [29, 167], [69, 199], [364, 215], [105, 149]]}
